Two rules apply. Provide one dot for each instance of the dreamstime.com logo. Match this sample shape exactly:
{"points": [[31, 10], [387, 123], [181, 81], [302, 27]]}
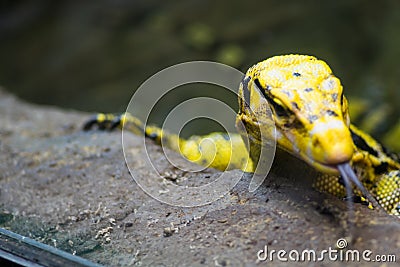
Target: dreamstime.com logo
{"points": [[339, 253], [154, 90]]}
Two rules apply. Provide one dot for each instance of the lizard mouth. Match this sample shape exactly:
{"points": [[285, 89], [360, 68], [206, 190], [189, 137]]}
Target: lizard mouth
{"points": [[327, 168], [321, 166]]}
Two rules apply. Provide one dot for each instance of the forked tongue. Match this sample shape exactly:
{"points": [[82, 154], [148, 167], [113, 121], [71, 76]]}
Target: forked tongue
{"points": [[350, 177]]}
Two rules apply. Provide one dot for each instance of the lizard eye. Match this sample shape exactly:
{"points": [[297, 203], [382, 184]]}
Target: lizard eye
{"points": [[277, 106]]}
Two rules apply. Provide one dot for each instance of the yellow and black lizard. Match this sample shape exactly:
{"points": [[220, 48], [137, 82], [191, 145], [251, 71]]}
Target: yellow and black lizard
{"points": [[312, 123]]}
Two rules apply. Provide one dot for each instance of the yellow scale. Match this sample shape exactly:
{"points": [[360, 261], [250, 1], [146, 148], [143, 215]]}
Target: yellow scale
{"points": [[312, 121]]}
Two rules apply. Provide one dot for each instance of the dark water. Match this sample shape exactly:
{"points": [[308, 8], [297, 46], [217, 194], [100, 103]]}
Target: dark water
{"points": [[92, 55]]}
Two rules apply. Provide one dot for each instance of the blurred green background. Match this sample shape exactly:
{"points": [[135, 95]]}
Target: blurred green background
{"points": [[92, 55]]}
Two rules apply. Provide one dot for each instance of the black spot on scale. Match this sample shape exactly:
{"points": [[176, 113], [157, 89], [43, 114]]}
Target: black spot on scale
{"points": [[308, 89], [152, 136], [334, 97], [295, 106], [362, 144], [296, 74], [381, 168], [331, 113], [312, 118]]}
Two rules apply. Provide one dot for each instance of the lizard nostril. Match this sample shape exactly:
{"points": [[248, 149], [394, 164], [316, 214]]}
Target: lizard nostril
{"points": [[315, 142]]}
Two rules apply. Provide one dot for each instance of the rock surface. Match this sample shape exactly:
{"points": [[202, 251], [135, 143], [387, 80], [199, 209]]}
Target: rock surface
{"points": [[72, 189]]}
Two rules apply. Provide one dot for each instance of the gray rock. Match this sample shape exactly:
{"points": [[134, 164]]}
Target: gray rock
{"points": [[72, 189]]}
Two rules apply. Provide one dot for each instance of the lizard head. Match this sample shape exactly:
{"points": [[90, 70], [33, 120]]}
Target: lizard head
{"points": [[308, 108]]}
